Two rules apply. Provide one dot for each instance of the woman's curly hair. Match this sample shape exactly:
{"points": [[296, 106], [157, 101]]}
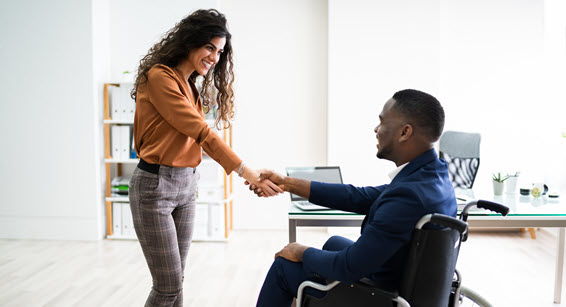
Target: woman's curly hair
{"points": [[195, 31]]}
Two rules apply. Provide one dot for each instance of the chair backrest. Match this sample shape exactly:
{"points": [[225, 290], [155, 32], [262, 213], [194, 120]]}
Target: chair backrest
{"points": [[461, 150], [431, 262]]}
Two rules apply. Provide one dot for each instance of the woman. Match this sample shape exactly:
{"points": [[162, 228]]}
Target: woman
{"points": [[170, 133]]}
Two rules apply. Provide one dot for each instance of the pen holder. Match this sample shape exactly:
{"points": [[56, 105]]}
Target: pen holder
{"points": [[511, 185]]}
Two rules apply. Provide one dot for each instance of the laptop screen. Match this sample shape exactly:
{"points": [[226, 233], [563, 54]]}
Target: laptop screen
{"points": [[328, 174]]}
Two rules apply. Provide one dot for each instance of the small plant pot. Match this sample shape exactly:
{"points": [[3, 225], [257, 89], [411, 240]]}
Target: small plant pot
{"points": [[498, 187]]}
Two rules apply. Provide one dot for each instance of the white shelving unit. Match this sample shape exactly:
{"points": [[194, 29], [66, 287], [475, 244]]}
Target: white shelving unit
{"points": [[119, 224]]}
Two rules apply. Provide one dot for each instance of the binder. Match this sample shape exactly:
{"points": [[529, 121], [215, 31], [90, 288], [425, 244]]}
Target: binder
{"points": [[209, 193], [128, 230], [211, 173], [117, 218], [129, 103], [200, 228], [216, 220], [133, 153], [120, 185], [115, 142], [114, 107], [121, 104], [124, 142]]}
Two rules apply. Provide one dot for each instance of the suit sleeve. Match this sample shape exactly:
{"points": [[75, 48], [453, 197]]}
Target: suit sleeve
{"points": [[344, 197], [183, 115], [387, 231]]}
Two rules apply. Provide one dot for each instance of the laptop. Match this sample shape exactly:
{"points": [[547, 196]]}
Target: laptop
{"points": [[328, 174]]}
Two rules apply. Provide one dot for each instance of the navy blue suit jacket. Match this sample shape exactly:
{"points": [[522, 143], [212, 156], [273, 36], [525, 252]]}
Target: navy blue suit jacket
{"points": [[423, 186]]}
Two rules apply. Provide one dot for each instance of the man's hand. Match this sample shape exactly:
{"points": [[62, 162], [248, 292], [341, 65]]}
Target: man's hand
{"points": [[270, 176], [292, 252]]}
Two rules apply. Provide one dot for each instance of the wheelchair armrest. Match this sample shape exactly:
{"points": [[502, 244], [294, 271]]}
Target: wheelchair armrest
{"points": [[315, 285], [443, 220]]}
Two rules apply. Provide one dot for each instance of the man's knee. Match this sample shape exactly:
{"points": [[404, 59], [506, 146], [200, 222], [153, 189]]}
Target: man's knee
{"points": [[279, 265], [333, 243], [286, 271]]}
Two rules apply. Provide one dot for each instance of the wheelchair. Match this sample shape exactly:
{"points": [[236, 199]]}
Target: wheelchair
{"points": [[430, 277]]}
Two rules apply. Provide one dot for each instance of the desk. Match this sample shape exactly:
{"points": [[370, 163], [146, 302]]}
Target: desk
{"points": [[524, 211]]}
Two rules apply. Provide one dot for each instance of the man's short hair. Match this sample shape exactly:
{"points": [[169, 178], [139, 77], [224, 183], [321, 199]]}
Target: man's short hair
{"points": [[421, 110]]}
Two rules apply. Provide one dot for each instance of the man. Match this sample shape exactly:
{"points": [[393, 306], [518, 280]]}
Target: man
{"points": [[410, 123]]}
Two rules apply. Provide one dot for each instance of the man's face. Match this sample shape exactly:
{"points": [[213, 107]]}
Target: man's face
{"points": [[388, 131]]}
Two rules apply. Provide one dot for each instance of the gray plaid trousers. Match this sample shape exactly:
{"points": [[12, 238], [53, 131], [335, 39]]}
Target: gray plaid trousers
{"points": [[163, 210]]}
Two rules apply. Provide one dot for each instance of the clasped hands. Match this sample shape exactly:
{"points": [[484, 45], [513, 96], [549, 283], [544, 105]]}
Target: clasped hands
{"points": [[269, 183]]}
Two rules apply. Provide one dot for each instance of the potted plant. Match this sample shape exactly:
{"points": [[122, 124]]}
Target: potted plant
{"points": [[498, 183]]}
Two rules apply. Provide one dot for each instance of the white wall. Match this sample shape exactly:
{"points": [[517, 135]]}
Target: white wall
{"points": [[375, 48], [135, 26], [101, 74], [483, 60], [48, 186], [555, 97], [281, 93]]}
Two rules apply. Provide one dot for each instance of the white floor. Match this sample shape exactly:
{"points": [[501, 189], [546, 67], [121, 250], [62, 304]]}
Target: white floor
{"points": [[508, 268]]}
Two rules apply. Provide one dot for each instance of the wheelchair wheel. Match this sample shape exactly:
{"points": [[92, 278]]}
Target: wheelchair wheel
{"points": [[470, 298]]}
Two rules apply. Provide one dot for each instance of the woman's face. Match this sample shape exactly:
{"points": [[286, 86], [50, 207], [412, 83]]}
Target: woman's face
{"points": [[202, 59]]}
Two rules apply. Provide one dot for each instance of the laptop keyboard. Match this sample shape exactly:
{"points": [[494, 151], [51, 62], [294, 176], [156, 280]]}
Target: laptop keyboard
{"points": [[306, 205]]}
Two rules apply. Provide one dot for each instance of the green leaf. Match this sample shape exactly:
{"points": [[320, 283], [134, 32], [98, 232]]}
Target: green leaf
{"points": [[498, 177]]}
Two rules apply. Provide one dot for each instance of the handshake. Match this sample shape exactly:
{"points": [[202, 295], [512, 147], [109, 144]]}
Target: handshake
{"points": [[268, 183]]}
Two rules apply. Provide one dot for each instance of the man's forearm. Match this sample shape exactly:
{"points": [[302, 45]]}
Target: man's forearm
{"points": [[297, 186]]}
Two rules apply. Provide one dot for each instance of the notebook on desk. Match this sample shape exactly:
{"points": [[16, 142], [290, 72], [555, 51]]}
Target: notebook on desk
{"points": [[462, 201], [328, 174], [463, 197]]}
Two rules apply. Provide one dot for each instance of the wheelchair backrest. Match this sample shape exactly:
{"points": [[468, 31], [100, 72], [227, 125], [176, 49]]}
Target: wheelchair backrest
{"points": [[431, 262]]}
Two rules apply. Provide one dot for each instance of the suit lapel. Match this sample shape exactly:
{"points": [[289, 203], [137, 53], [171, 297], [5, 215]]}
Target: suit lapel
{"points": [[413, 166]]}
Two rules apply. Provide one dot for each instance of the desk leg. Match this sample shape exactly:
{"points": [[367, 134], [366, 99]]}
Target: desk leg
{"points": [[292, 231], [559, 268]]}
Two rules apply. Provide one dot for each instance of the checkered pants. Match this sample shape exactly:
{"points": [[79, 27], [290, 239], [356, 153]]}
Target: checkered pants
{"points": [[163, 210]]}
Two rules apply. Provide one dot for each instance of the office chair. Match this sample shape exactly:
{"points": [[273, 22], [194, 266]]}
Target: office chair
{"points": [[426, 281], [461, 150]]}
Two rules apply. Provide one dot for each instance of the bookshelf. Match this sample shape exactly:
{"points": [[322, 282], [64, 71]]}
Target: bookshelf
{"points": [[214, 205], [116, 166]]}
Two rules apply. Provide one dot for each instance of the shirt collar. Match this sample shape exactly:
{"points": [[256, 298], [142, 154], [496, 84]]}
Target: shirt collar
{"points": [[396, 171]]}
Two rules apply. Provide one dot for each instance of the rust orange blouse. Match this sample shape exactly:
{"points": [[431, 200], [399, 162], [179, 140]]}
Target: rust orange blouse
{"points": [[169, 125]]}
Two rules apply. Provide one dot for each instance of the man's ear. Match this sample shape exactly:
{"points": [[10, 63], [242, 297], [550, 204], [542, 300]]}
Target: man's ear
{"points": [[406, 132]]}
